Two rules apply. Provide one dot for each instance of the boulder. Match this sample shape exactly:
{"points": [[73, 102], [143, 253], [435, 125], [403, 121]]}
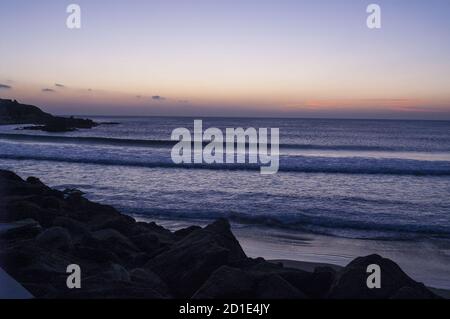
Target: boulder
{"points": [[117, 272], [9, 176], [351, 281], [181, 233], [299, 279], [146, 242], [144, 276], [189, 262], [275, 287], [227, 283], [17, 257], [23, 209], [52, 202], [19, 230], [55, 238], [96, 255], [114, 239], [75, 228], [121, 223]]}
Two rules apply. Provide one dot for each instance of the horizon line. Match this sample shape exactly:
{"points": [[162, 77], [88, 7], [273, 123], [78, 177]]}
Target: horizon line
{"points": [[257, 117]]}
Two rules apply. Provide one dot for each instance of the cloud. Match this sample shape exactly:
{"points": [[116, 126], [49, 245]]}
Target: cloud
{"points": [[48, 90], [4, 86], [138, 96], [183, 101], [60, 85], [158, 98], [369, 102]]}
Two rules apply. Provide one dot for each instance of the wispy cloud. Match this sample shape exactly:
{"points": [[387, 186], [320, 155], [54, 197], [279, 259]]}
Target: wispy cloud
{"points": [[60, 85], [48, 90], [5, 87], [372, 102], [158, 98]]}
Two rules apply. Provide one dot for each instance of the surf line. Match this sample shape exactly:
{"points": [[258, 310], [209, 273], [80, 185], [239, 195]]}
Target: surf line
{"points": [[239, 144]]}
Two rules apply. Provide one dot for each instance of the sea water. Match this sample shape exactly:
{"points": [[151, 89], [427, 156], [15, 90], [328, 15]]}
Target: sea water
{"points": [[367, 180]]}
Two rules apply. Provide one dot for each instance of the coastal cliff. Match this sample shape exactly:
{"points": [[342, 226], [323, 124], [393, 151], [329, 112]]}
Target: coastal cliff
{"points": [[122, 258], [13, 112]]}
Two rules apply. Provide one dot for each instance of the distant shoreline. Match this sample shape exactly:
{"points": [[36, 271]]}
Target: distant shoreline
{"points": [[255, 117]]}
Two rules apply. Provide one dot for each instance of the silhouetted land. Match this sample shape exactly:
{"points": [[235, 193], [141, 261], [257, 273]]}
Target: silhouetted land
{"points": [[13, 112]]}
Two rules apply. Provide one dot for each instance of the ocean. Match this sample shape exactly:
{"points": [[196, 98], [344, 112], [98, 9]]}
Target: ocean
{"points": [[344, 187]]}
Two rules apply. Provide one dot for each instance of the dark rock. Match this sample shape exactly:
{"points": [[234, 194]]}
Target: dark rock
{"points": [[12, 112], [51, 202], [58, 127], [146, 242], [189, 262], [138, 260], [165, 237], [141, 275], [94, 254], [117, 272], [232, 283], [227, 283], [35, 181], [180, 234], [75, 228], [21, 209], [21, 230], [275, 287], [299, 279], [320, 282], [14, 258], [352, 280], [55, 238], [121, 223], [114, 238], [8, 176], [113, 241]]}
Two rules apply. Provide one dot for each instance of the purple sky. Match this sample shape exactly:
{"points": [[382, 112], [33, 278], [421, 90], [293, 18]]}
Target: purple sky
{"points": [[252, 58]]}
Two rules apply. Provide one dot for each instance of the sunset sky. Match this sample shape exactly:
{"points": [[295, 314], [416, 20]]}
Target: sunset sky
{"points": [[229, 58]]}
